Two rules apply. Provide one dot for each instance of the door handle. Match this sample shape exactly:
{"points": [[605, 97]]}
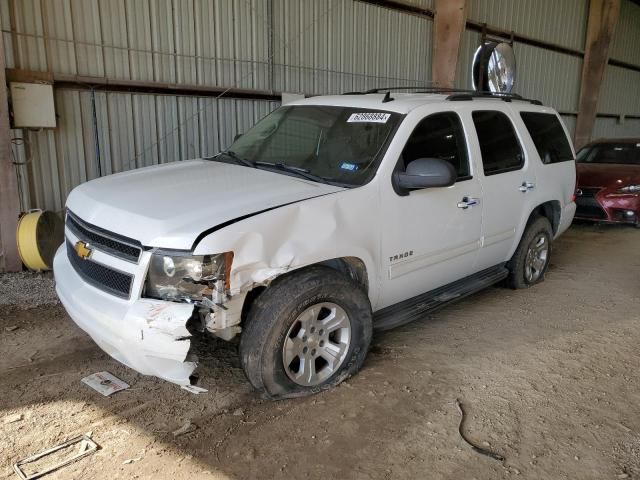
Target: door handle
{"points": [[526, 186], [468, 202]]}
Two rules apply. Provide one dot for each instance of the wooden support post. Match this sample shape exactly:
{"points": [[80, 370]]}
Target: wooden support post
{"points": [[9, 202], [603, 17], [449, 24]]}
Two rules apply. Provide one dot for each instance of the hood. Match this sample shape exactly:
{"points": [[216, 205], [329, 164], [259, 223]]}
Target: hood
{"points": [[607, 175], [169, 205]]}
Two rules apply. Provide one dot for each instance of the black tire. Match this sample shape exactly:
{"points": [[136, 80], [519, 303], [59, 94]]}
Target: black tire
{"points": [[275, 311], [517, 277]]}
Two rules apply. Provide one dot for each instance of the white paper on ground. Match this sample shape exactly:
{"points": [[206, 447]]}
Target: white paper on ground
{"points": [[105, 383]]}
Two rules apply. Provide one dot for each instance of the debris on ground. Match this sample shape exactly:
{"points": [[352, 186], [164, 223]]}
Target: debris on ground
{"points": [[27, 290], [483, 451], [188, 427], [194, 389], [105, 383], [16, 417], [238, 412], [63, 454], [11, 328]]}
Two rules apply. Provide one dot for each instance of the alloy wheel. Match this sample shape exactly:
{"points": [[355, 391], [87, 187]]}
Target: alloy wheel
{"points": [[316, 344]]}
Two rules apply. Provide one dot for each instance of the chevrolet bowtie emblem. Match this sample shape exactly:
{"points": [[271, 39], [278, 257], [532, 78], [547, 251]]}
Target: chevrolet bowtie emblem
{"points": [[82, 249]]}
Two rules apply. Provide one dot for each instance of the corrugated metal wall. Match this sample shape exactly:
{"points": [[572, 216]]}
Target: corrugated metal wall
{"points": [[128, 131], [310, 46]]}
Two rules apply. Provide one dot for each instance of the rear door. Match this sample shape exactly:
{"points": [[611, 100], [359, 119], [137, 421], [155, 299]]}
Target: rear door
{"points": [[508, 180]]}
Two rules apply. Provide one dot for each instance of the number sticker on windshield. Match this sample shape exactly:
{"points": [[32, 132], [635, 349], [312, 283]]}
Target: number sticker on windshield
{"points": [[374, 117]]}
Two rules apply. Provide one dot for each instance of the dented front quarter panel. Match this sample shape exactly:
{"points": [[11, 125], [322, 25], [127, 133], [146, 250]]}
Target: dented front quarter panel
{"points": [[264, 246]]}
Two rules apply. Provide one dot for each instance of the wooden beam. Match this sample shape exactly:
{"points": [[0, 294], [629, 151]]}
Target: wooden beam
{"points": [[603, 17], [9, 201], [449, 25]]}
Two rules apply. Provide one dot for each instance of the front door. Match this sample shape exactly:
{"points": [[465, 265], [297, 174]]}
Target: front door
{"points": [[433, 234]]}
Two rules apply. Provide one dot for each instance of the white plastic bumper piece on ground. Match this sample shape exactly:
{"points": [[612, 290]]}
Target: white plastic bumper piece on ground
{"points": [[147, 335]]}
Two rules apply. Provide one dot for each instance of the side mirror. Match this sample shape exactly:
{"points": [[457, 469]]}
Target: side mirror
{"points": [[238, 135], [426, 173]]}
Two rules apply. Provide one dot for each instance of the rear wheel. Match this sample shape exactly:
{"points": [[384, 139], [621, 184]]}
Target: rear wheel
{"points": [[307, 332], [531, 259]]}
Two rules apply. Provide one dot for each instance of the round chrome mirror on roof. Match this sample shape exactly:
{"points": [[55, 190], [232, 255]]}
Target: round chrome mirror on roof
{"points": [[494, 68]]}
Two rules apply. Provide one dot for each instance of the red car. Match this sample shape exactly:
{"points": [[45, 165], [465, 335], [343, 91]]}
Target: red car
{"points": [[608, 181]]}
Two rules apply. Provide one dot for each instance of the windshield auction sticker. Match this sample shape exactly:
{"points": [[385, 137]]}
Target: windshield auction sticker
{"points": [[373, 117]]}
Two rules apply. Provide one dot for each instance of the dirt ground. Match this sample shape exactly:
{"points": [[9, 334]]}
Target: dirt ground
{"points": [[548, 377]]}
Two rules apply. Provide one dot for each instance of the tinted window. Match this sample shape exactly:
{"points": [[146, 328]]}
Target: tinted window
{"points": [[625, 153], [499, 146], [439, 136], [341, 145], [548, 136]]}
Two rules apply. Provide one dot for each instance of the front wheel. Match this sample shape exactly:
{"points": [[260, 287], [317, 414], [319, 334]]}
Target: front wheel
{"points": [[531, 259], [306, 332]]}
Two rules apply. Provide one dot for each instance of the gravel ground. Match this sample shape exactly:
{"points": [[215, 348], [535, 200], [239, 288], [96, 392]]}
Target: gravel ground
{"points": [[547, 377], [26, 290]]}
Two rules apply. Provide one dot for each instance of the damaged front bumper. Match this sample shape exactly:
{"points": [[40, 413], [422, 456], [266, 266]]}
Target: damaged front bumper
{"points": [[147, 335]]}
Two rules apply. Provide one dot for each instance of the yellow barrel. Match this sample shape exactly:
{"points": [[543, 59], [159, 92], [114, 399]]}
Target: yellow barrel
{"points": [[39, 235]]}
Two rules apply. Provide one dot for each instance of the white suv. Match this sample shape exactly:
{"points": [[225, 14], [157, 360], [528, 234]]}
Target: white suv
{"points": [[331, 217]]}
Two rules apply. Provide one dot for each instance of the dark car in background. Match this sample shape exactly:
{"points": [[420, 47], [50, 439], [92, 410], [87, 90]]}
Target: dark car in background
{"points": [[608, 181]]}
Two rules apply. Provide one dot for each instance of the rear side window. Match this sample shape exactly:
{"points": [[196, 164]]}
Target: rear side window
{"points": [[499, 145], [439, 136], [548, 136]]}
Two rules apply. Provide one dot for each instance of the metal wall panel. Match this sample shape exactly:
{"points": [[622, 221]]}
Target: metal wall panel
{"points": [[87, 31], [626, 37], [620, 91], [335, 46], [613, 128], [557, 21], [29, 50], [554, 78], [570, 123], [130, 131]]}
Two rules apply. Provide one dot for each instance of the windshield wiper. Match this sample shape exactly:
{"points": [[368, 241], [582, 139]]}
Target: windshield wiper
{"points": [[301, 172], [237, 158]]}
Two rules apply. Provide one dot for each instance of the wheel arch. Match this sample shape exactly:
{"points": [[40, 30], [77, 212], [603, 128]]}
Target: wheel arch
{"points": [[353, 267], [551, 210]]}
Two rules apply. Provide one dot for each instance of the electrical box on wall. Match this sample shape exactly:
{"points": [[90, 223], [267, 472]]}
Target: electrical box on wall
{"points": [[32, 105]]}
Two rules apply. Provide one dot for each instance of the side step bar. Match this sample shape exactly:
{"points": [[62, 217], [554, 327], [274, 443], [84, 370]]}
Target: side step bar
{"points": [[416, 307]]}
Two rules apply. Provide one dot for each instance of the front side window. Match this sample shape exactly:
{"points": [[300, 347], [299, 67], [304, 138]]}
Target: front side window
{"points": [[439, 136], [622, 153], [548, 136], [334, 144], [499, 146]]}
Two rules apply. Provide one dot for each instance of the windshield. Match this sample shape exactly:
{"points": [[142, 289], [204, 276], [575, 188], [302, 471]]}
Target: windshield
{"points": [[331, 144], [624, 153]]}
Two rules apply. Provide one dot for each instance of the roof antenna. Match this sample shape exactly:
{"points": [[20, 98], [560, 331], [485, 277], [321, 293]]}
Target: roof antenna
{"points": [[387, 97]]}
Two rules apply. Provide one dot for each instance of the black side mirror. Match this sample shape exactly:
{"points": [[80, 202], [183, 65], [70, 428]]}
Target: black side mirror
{"points": [[426, 173], [238, 135]]}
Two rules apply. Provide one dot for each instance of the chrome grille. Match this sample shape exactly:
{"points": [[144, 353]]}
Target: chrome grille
{"points": [[114, 244], [100, 276]]}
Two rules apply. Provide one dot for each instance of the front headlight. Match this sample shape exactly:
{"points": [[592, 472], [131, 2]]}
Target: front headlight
{"points": [[186, 277], [630, 189]]}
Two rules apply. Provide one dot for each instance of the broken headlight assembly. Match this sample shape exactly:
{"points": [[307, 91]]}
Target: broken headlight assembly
{"points": [[190, 278]]}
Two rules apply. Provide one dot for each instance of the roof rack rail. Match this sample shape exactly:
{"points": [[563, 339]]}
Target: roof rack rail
{"points": [[505, 97], [455, 94]]}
